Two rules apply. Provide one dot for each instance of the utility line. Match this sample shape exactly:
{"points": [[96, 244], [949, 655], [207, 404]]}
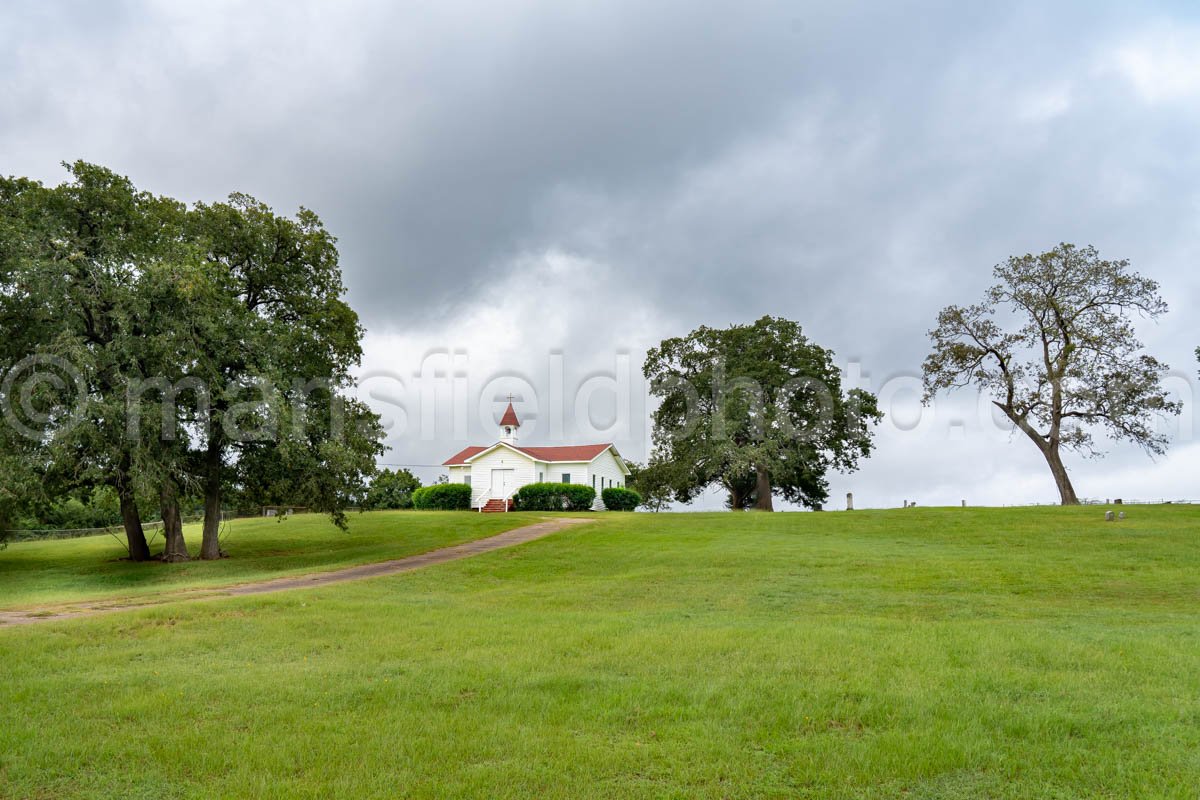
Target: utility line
{"points": [[390, 464]]}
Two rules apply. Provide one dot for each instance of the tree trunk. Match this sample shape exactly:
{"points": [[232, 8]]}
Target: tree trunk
{"points": [[176, 548], [210, 545], [735, 499], [1066, 491], [139, 548], [1049, 446], [762, 490]]}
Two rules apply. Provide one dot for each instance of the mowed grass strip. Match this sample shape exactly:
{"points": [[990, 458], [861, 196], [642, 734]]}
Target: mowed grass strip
{"points": [[1007, 653], [93, 568]]}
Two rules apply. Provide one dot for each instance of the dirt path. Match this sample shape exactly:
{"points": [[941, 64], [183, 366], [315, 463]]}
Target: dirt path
{"points": [[510, 538]]}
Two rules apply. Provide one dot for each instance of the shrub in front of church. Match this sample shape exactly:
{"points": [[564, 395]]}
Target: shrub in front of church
{"points": [[555, 497], [617, 498], [443, 497]]}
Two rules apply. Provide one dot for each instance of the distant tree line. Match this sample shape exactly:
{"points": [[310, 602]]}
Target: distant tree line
{"points": [[163, 354], [391, 490], [80, 509]]}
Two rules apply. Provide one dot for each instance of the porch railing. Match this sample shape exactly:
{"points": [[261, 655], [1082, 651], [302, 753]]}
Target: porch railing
{"points": [[487, 498]]}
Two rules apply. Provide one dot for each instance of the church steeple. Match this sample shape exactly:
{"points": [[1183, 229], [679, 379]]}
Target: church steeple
{"points": [[509, 424]]}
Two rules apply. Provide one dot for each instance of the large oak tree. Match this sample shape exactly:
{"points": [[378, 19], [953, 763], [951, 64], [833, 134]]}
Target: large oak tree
{"points": [[1053, 345], [182, 336], [77, 328], [278, 333], [757, 409]]}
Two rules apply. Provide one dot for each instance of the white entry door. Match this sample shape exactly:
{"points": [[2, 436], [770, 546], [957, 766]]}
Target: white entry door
{"points": [[503, 483]]}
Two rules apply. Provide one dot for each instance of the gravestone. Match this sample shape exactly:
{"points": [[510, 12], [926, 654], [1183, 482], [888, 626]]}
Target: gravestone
{"points": [[1121, 515], [849, 501], [1109, 516]]}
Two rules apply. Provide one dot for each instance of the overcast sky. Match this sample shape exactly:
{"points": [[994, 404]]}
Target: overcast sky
{"points": [[528, 190]]}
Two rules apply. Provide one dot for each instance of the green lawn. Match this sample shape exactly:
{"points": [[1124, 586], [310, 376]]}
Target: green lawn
{"points": [[80, 569], [925, 653]]}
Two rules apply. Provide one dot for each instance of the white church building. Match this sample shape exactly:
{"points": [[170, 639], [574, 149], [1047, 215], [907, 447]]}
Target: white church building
{"points": [[497, 471]]}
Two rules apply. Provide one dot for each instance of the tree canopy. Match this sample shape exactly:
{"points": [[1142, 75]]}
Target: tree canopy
{"points": [[275, 351], [154, 344], [84, 317], [1053, 344], [757, 409]]}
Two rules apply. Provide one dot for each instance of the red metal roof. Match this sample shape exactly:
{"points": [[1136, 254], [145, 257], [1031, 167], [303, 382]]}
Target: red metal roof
{"points": [[509, 420], [573, 452], [461, 457]]}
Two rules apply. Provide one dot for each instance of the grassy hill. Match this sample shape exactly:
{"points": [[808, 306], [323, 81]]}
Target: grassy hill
{"points": [[66, 570], [933, 653]]}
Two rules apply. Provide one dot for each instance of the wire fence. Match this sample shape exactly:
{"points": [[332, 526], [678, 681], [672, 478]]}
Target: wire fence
{"points": [[35, 534], [1092, 501], [1143, 502], [29, 534]]}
